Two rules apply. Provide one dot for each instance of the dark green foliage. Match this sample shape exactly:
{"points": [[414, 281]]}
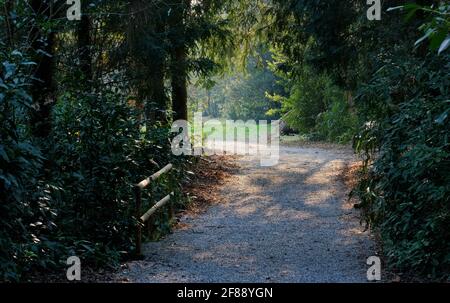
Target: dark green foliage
{"points": [[94, 152], [26, 216], [317, 33], [100, 150], [337, 124], [82, 203], [70, 191], [407, 191]]}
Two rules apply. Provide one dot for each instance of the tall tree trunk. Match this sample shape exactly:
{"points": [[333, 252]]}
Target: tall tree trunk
{"points": [[42, 86], [158, 96], [84, 47], [149, 65], [179, 68], [179, 84]]}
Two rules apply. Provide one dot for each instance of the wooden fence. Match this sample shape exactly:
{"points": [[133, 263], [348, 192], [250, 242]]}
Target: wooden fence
{"points": [[142, 219]]}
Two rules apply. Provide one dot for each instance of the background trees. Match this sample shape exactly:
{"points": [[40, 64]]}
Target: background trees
{"points": [[240, 95]]}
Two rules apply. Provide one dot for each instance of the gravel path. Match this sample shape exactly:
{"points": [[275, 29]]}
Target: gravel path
{"points": [[288, 223]]}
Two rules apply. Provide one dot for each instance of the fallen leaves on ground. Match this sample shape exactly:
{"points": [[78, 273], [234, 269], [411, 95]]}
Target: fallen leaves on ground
{"points": [[208, 175]]}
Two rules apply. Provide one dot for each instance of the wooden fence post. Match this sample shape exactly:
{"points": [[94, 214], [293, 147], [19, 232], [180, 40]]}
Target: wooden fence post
{"points": [[171, 211], [138, 197]]}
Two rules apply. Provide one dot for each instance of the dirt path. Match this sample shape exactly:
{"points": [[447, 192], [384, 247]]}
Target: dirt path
{"points": [[288, 223]]}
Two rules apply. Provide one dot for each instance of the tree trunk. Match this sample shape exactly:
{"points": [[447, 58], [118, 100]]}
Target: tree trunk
{"points": [[179, 67], [42, 86], [158, 96], [84, 44], [179, 84]]}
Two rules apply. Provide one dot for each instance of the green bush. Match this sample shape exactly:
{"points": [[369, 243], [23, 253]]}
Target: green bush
{"points": [[81, 202], [338, 124], [406, 192], [315, 107], [100, 149], [310, 96], [26, 216]]}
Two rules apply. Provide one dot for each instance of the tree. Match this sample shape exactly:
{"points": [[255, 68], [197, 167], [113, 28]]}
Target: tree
{"points": [[179, 67], [43, 89]]}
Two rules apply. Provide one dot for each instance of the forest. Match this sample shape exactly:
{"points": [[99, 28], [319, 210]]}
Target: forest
{"points": [[87, 104]]}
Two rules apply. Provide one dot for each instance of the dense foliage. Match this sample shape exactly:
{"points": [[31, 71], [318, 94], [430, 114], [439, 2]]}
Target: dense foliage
{"points": [[405, 191], [313, 105], [24, 208], [84, 113]]}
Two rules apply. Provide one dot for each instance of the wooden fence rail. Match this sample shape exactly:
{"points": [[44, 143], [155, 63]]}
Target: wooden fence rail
{"points": [[138, 199]]}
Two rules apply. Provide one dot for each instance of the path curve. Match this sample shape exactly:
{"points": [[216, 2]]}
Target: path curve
{"points": [[288, 223]]}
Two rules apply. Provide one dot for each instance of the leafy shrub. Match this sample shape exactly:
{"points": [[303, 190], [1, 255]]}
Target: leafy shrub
{"points": [[81, 202], [338, 124], [406, 192], [316, 108], [310, 96], [26, 217], [100, 150]]}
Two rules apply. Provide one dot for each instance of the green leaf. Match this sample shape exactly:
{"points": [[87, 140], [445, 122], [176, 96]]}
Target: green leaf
{"points": [[42, 52], [2, 84], [16, 53], [10, 69], [428, 33], [28, 63], [5, 181], [412, 8], [441, 119], [444, 45], [437, 39], [3, 154], [390, 9]]}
